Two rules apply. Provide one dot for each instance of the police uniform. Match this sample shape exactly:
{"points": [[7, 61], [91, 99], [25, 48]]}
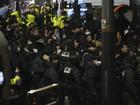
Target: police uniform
{"points": [[90, 80], [30, 19], [18, 18], [71, 81], [44, 73], [16, 82]]}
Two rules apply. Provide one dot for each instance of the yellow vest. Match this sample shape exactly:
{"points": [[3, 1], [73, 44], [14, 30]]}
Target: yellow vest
{"points": [[18, 18], [30, 19], [61, 22], [58, 21], [15, 80], [55, 21]]}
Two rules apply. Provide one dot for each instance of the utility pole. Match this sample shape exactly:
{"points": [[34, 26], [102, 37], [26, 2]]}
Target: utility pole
{"points": [[107, 52]]}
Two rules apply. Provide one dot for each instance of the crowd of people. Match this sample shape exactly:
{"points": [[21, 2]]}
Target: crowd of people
{"points": [[46, 49]]}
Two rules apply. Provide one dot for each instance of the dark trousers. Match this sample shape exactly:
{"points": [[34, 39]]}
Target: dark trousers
{"points": [[73, 97]]}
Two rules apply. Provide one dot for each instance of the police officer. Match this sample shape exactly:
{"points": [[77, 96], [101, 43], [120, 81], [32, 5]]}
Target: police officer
{"points": [[16, 82], [129, 79], [71, 81], [91, 64], [44, 73], [90, 52], [90, 81], [128, 69]]}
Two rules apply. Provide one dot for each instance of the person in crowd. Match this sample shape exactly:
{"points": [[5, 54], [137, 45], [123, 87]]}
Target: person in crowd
{"points": [[44, 73], [71, 81], [128, 64], [90, 81]]}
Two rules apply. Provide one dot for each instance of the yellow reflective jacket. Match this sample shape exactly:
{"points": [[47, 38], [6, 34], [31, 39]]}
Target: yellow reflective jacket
{"points": [[58, 21], [18, 18], [30, 19], [55, 21], [61, 21], [15, 80]]}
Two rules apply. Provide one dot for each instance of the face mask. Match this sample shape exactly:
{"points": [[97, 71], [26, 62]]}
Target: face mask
{"points": [[29, 42], [87, 33], [54, 38], [35, 50], [18, 49]]}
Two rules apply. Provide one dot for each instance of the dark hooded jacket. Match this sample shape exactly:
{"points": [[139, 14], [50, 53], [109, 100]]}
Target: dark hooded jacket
{"points": [[44, 72]]}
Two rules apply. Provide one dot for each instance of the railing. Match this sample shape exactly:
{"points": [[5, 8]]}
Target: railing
{"points": [[30, 93], [37, 91]]}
